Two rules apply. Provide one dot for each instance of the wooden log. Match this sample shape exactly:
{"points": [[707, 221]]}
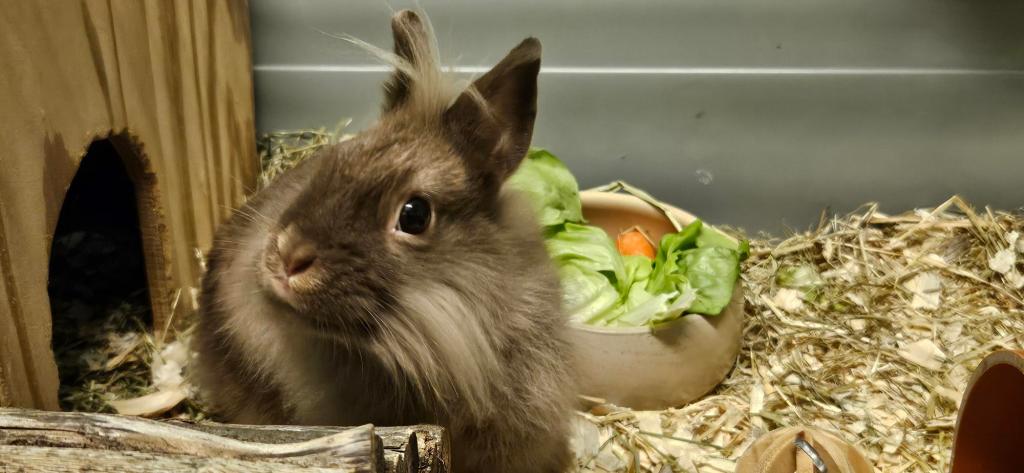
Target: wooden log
{"points": [[354, 449], [433, 450], [53, 459], [416, 448]]}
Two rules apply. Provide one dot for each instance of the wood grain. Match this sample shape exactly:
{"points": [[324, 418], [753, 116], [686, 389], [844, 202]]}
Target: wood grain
{"points": [[355, 449], [170, 82], [49, 460]]}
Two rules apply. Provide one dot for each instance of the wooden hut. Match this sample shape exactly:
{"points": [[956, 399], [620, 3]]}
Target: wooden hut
{"points": [[165, 86]]}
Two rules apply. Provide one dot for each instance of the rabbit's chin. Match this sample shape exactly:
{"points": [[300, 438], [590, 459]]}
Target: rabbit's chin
{"points": [[275, 284]]}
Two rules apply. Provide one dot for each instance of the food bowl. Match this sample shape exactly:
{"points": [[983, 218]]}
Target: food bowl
{"points": [[990, 427], [653, 368]]}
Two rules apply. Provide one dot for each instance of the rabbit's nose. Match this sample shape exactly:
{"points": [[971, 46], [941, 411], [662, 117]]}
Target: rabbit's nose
{"points": [[297, 264], [297, 255]]}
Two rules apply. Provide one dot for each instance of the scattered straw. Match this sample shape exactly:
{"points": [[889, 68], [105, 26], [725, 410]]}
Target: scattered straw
{"points": [[121, 361], [280, 151]]}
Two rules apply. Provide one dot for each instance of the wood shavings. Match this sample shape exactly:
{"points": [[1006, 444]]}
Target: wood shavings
{"points": [[150, 404], [789, 300], [924, 353], [1003, 261], [907, 308], [926, 289]]}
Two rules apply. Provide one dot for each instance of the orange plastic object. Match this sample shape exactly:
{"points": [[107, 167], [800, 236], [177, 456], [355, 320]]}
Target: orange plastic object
{"points": [[990, 428]]}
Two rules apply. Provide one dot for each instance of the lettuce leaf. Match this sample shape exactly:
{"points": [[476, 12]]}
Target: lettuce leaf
{"points": [[667, 274], [588, 247], [711, 237], [643, 308], [713, 272], [586, 295], [638, 269], [549, 185], [640, 307]]}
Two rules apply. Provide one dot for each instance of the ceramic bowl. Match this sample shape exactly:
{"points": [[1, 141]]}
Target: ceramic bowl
{"points": [[644, 368]]}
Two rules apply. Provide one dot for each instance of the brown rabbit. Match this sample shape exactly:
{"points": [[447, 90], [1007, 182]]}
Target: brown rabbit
{"points": [[392, 280]]}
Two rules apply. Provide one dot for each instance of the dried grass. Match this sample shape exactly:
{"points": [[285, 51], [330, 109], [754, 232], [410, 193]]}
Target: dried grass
{"points": [[869, 326], [125, 369], [282, 150]]}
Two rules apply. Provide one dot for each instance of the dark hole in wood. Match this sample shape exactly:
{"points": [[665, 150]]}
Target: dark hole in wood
{"points": [[98, 293]]}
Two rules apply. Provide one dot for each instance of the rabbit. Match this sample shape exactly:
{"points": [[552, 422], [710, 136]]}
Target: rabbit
{"points": [[392, 279]]}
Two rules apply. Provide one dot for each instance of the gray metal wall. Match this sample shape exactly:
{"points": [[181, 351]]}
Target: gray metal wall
{"points": [[749, 112]]}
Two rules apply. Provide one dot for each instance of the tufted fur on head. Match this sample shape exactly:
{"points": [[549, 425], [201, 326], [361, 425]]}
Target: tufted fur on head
{"points": [[331, 299]]}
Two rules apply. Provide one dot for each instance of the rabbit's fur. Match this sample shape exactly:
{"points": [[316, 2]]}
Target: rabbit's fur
{"points": [[460, 325]]}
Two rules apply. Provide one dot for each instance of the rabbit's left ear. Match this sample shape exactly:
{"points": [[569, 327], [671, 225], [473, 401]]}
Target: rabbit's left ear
{"points": [[413, 44], [492, 122]]}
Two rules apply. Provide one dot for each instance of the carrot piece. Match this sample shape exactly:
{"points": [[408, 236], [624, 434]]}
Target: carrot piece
{"points": [[634, 242]]}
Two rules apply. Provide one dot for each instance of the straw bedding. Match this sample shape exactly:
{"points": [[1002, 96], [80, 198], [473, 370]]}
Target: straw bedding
{"points": [[870, 326]]}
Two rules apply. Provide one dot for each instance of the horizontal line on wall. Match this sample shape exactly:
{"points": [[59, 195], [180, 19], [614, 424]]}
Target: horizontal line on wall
{"points": [[695, 71]]}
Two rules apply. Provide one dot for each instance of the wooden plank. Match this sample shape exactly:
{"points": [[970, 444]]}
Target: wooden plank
{"points": [[354, 449], [415, 448], [141, 150], [14, 382], [50, 459], [53, 100]]}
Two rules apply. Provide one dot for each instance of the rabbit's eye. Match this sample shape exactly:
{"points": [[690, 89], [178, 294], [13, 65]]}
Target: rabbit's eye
{"points": [[414, 218]]}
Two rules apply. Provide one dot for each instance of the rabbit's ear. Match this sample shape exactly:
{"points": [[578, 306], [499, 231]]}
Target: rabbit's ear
{"points": [[412, 45], [493, 119]]}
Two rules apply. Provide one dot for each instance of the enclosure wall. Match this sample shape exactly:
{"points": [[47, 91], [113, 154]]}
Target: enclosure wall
{"points": [[749, 112]]}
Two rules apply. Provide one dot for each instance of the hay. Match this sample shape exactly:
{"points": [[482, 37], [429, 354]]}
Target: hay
{"points": [[282, 150], [108, 358], [120, 367], [869, 326]]}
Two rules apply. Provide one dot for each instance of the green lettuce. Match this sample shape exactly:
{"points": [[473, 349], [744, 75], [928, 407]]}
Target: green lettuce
{"points": [[710, 237], [693, 271], [587, 247], [668, 274], [586, 295], [698, 258], [550, 187], [638, 269], [712, 272]]}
